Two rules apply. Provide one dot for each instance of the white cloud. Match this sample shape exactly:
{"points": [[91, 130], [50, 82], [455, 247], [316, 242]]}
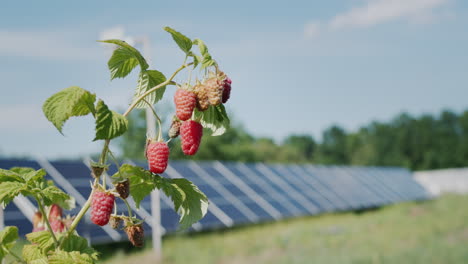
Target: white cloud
{"points": [[376, 12], [46, 45]]}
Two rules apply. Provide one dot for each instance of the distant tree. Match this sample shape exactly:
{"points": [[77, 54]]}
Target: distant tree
{"points": [[304, 145], [333, 149]]}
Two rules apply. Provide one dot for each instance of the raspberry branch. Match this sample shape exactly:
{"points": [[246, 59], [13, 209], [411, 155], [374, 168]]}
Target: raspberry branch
{"points": [[105, 150]]}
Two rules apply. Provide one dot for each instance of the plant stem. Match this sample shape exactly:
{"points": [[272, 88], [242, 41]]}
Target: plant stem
{"points": [[81, 213], [130, 215], [158, 119], [168, 81], [46, 219], [13, 254]]}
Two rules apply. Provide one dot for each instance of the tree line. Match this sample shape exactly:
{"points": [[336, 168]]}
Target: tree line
{"points": [[415, 142]]}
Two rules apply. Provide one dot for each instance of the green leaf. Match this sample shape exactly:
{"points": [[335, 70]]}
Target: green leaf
{"points": [[21, 170], [109, 124], [214, 118], [196, 60], [122, 61], [201, 45], [142, 182], [184, 43], [53, 195], [189, 202], [10, 175], [33, 176], [147, 80], [9, 190], [72, 101], [62, 257], [80, 244], [32, 254], [43, 239], [8, 237], [207, 62]]}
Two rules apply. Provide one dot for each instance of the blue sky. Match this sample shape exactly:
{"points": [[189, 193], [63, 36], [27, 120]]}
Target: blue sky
{"points": [[297, 66]]}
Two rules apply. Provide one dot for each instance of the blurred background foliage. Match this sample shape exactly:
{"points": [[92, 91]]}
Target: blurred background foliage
{"points": [[417, 143]]}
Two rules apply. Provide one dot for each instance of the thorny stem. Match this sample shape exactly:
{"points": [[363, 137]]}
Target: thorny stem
{"points": [[13, 254], [46, 220]]}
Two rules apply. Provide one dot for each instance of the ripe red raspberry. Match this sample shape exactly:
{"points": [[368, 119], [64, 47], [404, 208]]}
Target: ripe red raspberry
{"points": [[185, 102], [227, 89], [102, 205], [136, 234], [191, 133], [57, 225], [157, 154]]}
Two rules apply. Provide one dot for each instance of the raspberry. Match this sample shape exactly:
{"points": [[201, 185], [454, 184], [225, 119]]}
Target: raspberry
{"points": [[123, 188], [55, 212], [227, 89], [185, 102], [191, 133], [174, 131], [57, 225], [136, 235], [38, 225], [115, 221], [214, 89], [202, 97], [157, 154], [102, 205]]}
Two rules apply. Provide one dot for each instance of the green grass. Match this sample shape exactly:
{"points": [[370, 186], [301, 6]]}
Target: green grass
{"points": [[429, 232]]}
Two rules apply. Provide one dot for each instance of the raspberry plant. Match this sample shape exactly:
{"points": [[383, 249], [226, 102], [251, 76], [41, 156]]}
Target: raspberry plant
{"points": [[199, 104]]}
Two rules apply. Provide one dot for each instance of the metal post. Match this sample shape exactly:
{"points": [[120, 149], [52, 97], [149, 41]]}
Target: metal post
{"points": [[155, 199], [2, 220]]}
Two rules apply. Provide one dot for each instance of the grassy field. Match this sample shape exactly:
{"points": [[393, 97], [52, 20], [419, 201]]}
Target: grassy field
{"points": [[428, 232]]}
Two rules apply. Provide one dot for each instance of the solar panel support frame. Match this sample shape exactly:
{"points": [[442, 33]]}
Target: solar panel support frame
{"points": [[237, 203], [247, 190]]}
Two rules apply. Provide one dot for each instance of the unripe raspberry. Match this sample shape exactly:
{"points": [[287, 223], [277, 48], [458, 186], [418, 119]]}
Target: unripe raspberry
{"points": [[214, 89], [123, 188], [136, 234], [202, 97], [185, 102], [157, 154], [102, 205], [191, 133], [174, 131]]}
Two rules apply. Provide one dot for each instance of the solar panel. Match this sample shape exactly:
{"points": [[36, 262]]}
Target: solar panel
{"points": [[238, 193]]}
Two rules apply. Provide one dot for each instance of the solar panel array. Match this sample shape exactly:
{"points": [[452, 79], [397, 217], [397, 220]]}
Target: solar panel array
{"points": [[239, 193]]}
